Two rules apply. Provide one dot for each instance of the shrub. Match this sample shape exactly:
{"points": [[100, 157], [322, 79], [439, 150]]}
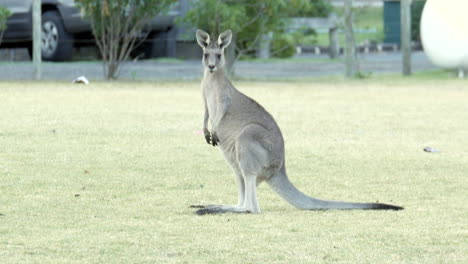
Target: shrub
{"points": [[117, 27], [310, 8], [250, 19], [4, 15], [283, 46]]}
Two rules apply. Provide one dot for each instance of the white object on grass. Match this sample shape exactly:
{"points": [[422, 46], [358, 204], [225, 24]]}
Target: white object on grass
{"points": [[81, 79], [444, 33]]}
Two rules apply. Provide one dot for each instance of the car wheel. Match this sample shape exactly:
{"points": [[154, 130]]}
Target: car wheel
{"points": [[57, 43]]}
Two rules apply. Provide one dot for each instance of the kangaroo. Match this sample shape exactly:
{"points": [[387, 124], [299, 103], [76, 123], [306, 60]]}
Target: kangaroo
{"points": [[249, 139]]}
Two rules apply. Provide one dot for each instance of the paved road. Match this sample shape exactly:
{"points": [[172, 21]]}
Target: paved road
{"points": [[301, 67]]}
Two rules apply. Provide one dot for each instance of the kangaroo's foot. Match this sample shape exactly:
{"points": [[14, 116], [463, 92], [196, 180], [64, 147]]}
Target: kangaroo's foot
{"points": [[219, 209]]}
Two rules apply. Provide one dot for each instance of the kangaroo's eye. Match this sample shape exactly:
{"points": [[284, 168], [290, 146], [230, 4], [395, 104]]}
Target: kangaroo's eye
{"points": [[205, 55], [218, 56]]}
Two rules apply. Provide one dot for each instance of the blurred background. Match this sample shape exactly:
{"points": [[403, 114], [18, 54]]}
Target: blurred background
{"points": [[274, 39]]}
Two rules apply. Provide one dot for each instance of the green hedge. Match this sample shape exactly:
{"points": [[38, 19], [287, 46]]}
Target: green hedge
{"points": [[283, 46]]}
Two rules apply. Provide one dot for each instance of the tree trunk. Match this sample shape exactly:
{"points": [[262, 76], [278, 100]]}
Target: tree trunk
{"points": [[112, 70], [231, 56], [37, 30], [334, 44], [351, 63], [263, 51], [405, 14], [334, 48]]}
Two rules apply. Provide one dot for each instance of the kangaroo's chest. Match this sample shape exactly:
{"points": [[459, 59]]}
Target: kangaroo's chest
{"points": [[212, 102], [218, 100]]}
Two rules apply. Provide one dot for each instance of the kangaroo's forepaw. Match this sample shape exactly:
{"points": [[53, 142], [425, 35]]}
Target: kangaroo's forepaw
{"points": [[207, 136], [214, 139]]}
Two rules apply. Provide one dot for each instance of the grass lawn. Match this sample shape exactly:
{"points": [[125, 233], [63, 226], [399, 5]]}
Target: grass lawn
{"points": [[105, 174]]}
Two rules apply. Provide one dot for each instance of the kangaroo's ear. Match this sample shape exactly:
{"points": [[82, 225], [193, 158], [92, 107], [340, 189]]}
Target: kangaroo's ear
{"points": [[225, 39], [203, 38]]}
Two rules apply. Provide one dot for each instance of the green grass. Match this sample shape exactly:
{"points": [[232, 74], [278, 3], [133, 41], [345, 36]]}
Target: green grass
{"points": [[105, 174]]}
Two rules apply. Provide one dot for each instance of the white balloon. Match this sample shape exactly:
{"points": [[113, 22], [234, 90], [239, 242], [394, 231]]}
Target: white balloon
{"points": [[444, 32]]}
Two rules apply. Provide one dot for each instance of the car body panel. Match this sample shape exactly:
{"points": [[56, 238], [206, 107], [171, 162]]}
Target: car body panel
{"points": [[19, 25], [74, 22]]}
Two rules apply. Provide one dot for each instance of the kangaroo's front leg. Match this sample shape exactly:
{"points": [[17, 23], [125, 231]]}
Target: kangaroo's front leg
{"points": [[223, 106], [206, 132]]}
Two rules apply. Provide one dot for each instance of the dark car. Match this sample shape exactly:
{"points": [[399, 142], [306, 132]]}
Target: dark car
{"points": [[63, 28]]}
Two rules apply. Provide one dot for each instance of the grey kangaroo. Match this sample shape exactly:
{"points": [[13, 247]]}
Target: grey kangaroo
{"points": [[249, 139]]}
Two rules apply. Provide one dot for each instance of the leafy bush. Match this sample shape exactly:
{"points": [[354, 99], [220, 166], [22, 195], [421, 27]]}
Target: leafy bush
{"points": [[305, 37], [310, 8], [4, 15], [116, 25], [249, 19], [216, 16], [246, 18], [283, 46]]}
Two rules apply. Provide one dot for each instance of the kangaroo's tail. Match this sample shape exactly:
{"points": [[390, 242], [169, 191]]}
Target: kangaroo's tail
{"points": [[281, 184]]}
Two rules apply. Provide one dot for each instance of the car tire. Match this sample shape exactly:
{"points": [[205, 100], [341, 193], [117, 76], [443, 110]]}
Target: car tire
{"points": [[57, 43]]}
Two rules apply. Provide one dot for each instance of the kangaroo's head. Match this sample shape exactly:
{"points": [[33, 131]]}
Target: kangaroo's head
{"points": [[213, 52]]}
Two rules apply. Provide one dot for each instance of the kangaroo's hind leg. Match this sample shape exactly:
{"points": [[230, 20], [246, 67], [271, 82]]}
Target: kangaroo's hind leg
{"points": [[253, 158], [232, 160], [218, 208], [257, 161]]}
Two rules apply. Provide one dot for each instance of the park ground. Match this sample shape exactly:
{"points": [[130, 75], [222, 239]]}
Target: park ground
{"points": [[106, 173]]}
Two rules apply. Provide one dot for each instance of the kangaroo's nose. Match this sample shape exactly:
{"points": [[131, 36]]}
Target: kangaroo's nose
{"points": [[211, 67]]}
